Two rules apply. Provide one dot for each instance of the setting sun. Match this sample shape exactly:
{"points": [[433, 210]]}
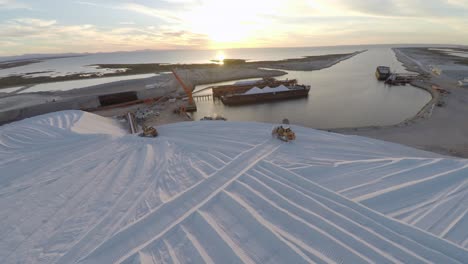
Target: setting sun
{"points": [[230, 22], [220, 57]]}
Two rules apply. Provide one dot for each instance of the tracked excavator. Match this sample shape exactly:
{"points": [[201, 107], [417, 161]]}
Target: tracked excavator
{"points": [[284, 132]]}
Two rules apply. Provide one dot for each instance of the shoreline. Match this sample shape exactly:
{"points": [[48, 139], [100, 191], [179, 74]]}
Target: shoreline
{"points": [[425, 85], [305, 63], [433, 127], [19, 106]]}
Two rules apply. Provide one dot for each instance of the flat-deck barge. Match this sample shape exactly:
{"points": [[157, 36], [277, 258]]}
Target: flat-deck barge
{"points": [[291, 92], [242, 87]]}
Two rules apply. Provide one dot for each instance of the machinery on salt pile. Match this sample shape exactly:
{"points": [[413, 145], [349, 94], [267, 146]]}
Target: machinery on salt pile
{"points": [[148, 132], [284, 132]]}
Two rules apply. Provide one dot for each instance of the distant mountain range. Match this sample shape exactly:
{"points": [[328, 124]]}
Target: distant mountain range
{"points": [[26, 57]]}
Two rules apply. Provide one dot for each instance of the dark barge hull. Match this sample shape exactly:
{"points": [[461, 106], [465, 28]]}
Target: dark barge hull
{"points": [[382, 73], [381, 77], [264, 97]]}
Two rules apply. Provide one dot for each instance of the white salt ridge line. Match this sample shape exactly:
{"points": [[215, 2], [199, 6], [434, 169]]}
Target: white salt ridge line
{"points": [[293, 241], [215, 147], [144, 165], [400, 186], [194, 139], [63, 209], [446, 218], [220, 232], [195, 167], [438, 202], [346, 171], [453, 224], [278, 232], [171, 252], [50, 157], [441, 197], [65, 167], [183, 248], [326, 208], [217, 248], [338, 163], [360, 171], [206, 258], [295, 217], [380, 178], [188, 200], [425, 240], [360, 240], [422, 206], [265, 239], [364, 227]]}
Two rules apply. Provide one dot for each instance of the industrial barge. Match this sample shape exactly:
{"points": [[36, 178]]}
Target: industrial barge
{"points": [[382, 73], [244, 86], [259, 91], [260, 95]]}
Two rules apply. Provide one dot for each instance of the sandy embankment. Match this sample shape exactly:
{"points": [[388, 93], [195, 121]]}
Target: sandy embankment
{"points": [[442, 130], [311, 63], [19, 106]]}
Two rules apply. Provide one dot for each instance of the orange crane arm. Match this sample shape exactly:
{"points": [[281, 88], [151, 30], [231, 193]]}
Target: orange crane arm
{"points": [[188, 91]]}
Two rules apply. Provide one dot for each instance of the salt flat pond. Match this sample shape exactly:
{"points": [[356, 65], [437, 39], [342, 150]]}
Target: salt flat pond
{"points": [[76, 84]]}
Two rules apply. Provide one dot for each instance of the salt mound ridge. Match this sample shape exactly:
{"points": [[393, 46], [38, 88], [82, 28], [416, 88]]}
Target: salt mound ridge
{"points": [[267, 89], [75, 189]]}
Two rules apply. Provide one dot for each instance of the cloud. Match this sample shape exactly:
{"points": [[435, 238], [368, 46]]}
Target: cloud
{"points": [[50, 36], [34, 22], [86, 3], [167, 24], [161, 13], [127, 23], [13, 4], [24, 27], [145, 10], [399, 8]]}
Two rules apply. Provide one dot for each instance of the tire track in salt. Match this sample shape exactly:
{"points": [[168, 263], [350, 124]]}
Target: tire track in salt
{"points": [[170, 214], [82, 194], [323, 217], [421, 243]]}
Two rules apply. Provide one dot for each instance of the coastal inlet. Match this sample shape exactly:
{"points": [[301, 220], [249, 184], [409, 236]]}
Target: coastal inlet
{"points": [[344, 95]]}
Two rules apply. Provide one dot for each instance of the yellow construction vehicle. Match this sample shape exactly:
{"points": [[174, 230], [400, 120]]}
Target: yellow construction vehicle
{"points": [[284, 132], [149, 132]]}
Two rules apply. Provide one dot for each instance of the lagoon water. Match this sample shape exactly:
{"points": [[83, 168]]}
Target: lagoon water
{"points": [[77, 84], [345, 95], [82, 64]]}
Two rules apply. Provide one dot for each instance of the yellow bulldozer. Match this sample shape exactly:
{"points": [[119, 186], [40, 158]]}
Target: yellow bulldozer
{"points": [[149, 132], [284, 132]]}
